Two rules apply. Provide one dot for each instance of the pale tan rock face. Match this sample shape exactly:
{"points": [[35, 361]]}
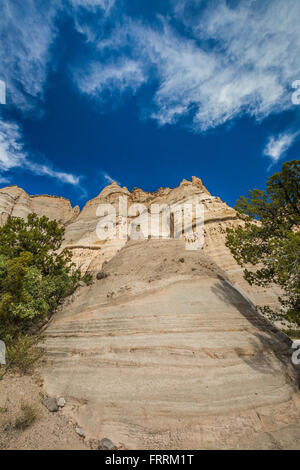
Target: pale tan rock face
{"points": [[89, 252], [164, 353], [15, 202], [81, 234], [167, 352]]}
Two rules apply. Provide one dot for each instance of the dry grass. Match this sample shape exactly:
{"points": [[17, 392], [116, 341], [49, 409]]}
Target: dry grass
{"points": [[27, 416], [22, 354], [11, 426]]}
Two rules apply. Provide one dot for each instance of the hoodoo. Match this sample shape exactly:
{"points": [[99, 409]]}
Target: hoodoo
{"points": [[164, 351]]}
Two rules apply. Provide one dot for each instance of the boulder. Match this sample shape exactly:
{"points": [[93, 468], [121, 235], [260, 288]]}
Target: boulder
{"points": [[106, 444], [51, 404], [101, 275]]}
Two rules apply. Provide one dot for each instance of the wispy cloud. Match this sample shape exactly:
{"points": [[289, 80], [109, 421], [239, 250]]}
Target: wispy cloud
{"points": [[27, 29], [44, 170], [4, 180], [278, 146], [13, 155], [109, 179], [103, 4], [234, 61], [225, 60], [115, 78]]}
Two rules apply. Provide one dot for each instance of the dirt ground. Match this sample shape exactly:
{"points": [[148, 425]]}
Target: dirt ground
{"points": [[20, 402]]}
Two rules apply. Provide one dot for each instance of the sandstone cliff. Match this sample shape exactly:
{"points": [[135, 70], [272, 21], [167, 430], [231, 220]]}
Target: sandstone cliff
{"points": [[15, 202], [89, 253], [166, 351]]}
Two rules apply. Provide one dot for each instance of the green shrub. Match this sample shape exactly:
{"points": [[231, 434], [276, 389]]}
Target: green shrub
{"points": [[268, 244], [88, 279], [34, 279], [23, 352], [292, 333]]}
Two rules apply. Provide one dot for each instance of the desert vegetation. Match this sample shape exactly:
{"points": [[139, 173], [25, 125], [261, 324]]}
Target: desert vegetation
{"points": [[269, 241], [34, 279]]}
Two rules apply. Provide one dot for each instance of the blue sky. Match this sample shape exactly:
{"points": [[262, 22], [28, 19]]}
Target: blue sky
{"points": [[147, 92]]}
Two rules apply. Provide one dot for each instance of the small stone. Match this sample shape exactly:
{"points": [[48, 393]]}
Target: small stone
{"points": [[61, 402], [181, 260], [81, 284], [50, 404], [101, 275], [79, 432], [106, 444]]}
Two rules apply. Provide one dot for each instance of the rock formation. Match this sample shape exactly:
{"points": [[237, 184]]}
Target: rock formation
{"points": [[164, 353], [15, 202], [165, 349], [89, 253]]}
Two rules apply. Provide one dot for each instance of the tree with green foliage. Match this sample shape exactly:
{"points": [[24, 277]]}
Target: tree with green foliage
{"points": [[34, 277], [39, 236], [269, 239]]}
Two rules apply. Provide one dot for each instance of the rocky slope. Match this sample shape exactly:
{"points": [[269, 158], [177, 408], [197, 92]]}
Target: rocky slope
{"points": [[164, 353]]}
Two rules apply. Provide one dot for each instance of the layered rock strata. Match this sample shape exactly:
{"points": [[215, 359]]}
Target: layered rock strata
{"points": [[15, 202], [164, 353], [90, 252], [166, 350]]}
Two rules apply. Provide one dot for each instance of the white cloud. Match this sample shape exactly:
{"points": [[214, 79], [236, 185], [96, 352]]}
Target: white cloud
{"points": [[109, 179], [256, 50], [4, 180], [234, 61], [115, 77], [221, 63], [277, 146], [254, 63], [44, 170], [11, 149], [101, 10], [13, 155], [103, 4], [27, 29]]}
